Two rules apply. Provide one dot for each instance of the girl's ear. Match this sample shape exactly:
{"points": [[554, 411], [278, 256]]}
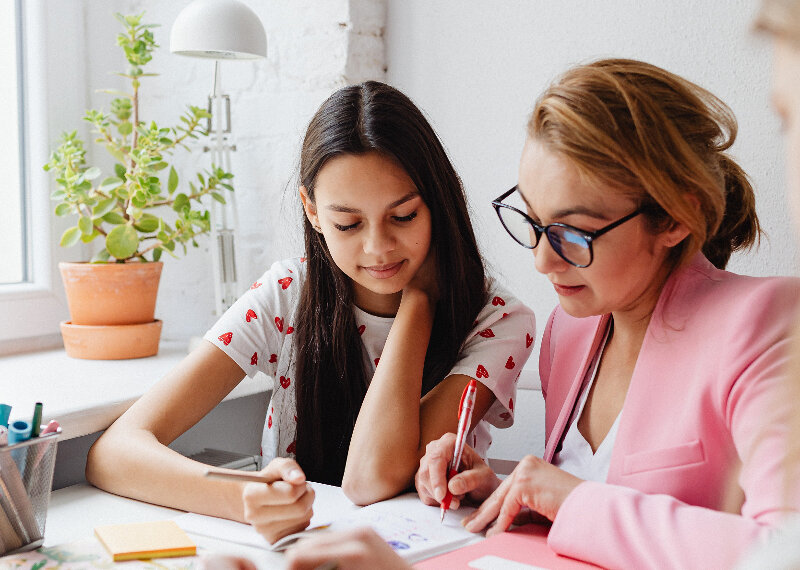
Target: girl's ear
{"points": [[309, 207]]}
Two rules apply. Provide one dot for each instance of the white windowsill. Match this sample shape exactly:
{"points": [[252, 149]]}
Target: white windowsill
{"points": [[86, 396]]}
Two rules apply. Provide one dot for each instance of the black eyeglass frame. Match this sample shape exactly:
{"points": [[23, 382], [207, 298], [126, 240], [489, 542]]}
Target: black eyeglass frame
{"points": [[497, 203]]}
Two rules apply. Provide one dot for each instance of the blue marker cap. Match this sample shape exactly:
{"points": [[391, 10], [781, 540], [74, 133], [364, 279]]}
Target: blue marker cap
{"points": [[5, 411], [18, 431]]}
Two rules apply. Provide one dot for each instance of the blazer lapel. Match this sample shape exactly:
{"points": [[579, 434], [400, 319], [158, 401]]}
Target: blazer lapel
{"points": [[568, 405]]}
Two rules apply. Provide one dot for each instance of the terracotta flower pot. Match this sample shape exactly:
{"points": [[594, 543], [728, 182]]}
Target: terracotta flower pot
{"points": [[120, 296]]}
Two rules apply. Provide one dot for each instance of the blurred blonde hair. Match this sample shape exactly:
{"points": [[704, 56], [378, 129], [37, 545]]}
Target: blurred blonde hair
{"points": [[780, 18], [639, 129]]}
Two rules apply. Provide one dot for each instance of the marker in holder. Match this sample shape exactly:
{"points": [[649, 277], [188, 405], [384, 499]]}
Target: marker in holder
{"points": [[19, 431]]}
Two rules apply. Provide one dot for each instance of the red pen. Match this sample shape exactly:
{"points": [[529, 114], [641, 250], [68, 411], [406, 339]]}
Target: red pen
{"points": [[464, 419]]}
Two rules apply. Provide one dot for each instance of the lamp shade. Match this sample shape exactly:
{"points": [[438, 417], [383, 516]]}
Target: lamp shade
{"points": [[218, 29]]}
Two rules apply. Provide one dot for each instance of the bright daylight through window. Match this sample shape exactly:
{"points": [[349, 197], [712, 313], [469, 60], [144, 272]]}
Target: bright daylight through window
{"points": [[12, 227]]}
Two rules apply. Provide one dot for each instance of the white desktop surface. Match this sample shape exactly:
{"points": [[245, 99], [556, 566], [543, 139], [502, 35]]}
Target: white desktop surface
{"points": [[75, 511]]}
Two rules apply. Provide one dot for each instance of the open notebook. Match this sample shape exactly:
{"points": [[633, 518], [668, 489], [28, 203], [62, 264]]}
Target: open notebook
{"points": [[411, 528]]}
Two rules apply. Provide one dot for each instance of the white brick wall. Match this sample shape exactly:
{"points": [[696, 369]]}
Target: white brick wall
{"points": [[314, 47]]}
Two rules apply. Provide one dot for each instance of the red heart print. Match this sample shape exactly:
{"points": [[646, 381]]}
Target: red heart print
{"points": [[273, 358], [285, 382], [251, 314], [255, 285], [279, 323], [528, 340], [511, 404], [285, 282], [290, 330], [498, 301], [295, 419], [302, 260], [226, 338], [292, 447], [504, 315], [290, 271], [254, 359], [481, 372], [510, 364], [506, 416], [361, 329], [486, 333], [269, 422], [377, 360]]}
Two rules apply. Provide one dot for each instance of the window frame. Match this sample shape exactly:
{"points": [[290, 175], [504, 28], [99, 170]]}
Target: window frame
{"points": [[31, 311]]}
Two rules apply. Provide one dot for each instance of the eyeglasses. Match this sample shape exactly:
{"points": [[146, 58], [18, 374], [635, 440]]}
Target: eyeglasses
{"points": [[572, 244]]}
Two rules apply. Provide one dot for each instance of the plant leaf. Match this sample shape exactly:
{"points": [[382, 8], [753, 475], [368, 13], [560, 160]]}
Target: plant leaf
{"points": [[119, 170], [91, 173], [104, 207], [63, 209], [70, 237], [172, 182], [157, 253], [86, 226], [110, 184], [114, 218], [101, 256], [122, 242], [218, 197], [147, 223]]}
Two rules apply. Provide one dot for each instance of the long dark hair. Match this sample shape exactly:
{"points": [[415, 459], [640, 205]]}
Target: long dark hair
{"points": [[331, 378]]}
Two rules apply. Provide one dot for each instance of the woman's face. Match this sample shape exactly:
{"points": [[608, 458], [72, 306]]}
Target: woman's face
{"points": [[375, 223], [786, 100], [629, 267]]}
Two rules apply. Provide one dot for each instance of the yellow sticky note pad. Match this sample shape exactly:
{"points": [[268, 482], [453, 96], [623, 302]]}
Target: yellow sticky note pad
{"points": [[133, 541]]}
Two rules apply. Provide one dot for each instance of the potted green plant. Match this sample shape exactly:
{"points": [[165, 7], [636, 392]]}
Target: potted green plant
{"points": [[139, 212]]}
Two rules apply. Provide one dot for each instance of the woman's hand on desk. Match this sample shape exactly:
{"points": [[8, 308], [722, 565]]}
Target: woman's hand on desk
{"points": [[281, 507], [534, 486], [476, 480], [356, 549]]}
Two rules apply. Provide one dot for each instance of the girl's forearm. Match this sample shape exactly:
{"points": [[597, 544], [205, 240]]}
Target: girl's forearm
{"points": [[384, 449], [134, 464]]}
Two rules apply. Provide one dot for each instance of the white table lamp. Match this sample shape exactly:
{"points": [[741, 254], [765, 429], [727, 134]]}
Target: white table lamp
{"points": [[220, 29]]}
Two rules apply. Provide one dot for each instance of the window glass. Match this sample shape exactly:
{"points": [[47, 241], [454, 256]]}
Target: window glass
{"points": [[12, 213]]}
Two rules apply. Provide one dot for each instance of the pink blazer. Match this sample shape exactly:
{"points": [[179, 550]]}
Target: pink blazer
{"points": [[705, 410]]}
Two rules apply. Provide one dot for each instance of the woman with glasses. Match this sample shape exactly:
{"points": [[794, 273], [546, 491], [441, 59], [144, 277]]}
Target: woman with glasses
{"points": [[659, 369]]}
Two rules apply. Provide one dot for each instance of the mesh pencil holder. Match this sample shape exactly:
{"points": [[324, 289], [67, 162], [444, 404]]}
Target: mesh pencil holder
{"points": [[26, 475]]}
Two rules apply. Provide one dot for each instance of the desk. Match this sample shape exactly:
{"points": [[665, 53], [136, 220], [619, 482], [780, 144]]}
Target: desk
{"points": [[75, 511]]}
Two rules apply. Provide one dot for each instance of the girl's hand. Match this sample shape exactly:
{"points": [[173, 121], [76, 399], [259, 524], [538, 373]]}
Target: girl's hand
{"points": [[355, 549], [426, 279], [281, 507], [534, 485], [476, 480]]}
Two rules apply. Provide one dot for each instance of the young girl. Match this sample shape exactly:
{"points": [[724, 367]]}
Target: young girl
{"points": [[661, 372], [371, 337]]}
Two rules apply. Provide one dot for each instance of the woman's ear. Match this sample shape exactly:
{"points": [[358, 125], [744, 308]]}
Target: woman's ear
{"points": [[309, 207], [674, 235]]}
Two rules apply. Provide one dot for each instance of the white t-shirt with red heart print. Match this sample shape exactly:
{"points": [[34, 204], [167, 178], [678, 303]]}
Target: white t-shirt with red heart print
{"points": [[257, 333]]}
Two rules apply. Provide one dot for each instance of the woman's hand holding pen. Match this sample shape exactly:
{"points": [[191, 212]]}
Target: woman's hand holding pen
{"points": [[476, 480], [283, 505], [535, 489]]}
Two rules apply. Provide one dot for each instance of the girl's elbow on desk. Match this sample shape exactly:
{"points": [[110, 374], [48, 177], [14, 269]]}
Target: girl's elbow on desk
{"points": [[369, 486]]}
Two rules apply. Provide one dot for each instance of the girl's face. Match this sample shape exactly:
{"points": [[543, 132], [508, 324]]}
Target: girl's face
{"points": [[375, 223], [629, 266], [786, 100]]}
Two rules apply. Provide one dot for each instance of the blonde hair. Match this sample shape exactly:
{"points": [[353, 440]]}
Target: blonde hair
{"points": [[780, 18], [640, 129]]}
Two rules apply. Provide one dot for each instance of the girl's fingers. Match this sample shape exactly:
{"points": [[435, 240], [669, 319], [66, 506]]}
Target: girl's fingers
{"points": [[278, 493], [285, 469]]}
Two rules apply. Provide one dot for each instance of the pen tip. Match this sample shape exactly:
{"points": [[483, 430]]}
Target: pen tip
{"points": [[441, 519]]}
